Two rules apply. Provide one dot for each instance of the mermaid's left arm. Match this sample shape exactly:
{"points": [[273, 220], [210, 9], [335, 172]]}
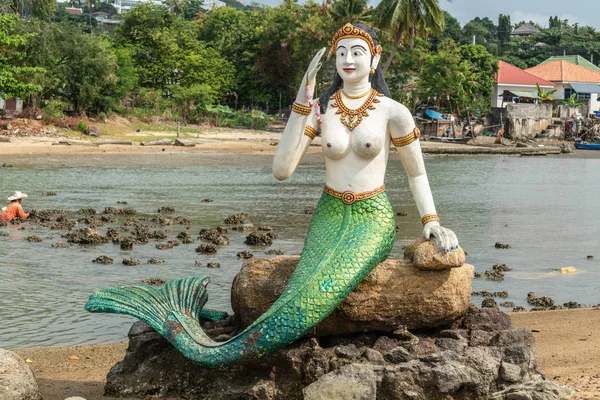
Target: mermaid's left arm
{"points": [[405, 136]]}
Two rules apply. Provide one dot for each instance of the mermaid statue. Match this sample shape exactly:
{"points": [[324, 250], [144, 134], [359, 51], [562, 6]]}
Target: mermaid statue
{"points": [[353, 226]]}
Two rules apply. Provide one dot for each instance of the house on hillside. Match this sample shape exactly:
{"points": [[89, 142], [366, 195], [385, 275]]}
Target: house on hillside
{"points": [[100, 16], [571, 79], [513, 85], [526, 30], [577, 60], [74, 11]]}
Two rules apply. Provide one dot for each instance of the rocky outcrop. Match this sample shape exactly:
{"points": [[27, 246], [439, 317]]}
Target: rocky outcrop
{"points": [[479, 357], [16, 379], [393, 296]]}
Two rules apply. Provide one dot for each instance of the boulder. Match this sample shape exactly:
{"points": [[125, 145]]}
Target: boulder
{"points": [[393, 296], [16, 379], [439, 364], [425, 256]]}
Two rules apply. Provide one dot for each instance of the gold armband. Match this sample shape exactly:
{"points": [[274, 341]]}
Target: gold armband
{"points": [[301, 109], [408, 139], [429, 218], [310, 132]]}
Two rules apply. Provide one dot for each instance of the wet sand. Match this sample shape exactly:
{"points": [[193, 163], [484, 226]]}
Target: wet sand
{"points": [[567, 343]]}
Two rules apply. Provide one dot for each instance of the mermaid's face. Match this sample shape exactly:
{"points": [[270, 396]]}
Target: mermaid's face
{"points": [[353, 59]]}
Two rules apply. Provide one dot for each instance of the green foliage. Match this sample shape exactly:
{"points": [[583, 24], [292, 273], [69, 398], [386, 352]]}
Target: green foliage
{"points": [[80, 68], [15, 78], [458, 77], [408, 19], [53, 109], [545, 96], [105, 7], [353, 11], [572, 101], [224, 116], [452, 29], [191, 9], [81, 126], [187, 100]]}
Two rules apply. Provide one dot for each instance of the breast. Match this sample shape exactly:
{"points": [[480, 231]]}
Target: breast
{"points": [[335, 144], [367, 144]]}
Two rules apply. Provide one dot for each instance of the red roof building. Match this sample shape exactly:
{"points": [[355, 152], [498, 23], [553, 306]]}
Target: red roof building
{"points": [[514, 84]]}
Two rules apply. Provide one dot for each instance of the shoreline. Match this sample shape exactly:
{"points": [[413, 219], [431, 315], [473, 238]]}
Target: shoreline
{"points": [[555, 331], [231, 142]]}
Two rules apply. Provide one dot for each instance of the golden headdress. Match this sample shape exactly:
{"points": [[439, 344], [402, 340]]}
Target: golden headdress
{"points": [[351, 31]]}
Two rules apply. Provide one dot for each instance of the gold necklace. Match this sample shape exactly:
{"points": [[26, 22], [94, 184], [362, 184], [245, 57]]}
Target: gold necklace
{"points": [[355, 97], [353, 118]]}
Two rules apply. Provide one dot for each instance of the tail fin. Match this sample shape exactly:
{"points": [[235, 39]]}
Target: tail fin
{"points": [[184, 296]]}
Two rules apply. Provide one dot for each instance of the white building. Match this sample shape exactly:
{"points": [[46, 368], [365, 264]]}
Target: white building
{"points": [[515, 85]]}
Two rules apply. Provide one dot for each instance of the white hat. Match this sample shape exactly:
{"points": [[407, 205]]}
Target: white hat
{"points": [[17, 196]]}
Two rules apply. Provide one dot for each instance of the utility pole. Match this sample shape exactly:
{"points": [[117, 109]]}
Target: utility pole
{"points": [[474, 39]]}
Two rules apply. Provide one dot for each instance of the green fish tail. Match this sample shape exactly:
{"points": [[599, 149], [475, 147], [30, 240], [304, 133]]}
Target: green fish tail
{"points": [[344, 243]]}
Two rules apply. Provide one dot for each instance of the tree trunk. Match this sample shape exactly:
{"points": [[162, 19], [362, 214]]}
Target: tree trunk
{"points": [[390, 58]]}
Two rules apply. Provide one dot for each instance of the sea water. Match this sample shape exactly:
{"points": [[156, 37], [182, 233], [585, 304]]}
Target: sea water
{"points": [[546, 209]]}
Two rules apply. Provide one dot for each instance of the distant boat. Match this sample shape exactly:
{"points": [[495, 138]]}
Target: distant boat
{"points": [[450, 140], [587, 146]]}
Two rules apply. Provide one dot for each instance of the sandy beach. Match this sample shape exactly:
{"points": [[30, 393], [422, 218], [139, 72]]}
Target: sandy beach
{"points": [[567, 343]]}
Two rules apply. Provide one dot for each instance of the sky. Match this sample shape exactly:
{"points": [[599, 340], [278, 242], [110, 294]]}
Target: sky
{"points": [[585, 12]]}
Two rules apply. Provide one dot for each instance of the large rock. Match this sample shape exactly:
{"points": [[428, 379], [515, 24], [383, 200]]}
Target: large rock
{"points": [[393, 296], [16, 379], [433, 364]]}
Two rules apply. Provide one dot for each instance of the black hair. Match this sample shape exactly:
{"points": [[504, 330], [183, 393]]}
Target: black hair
{"points": [[377, 80]]}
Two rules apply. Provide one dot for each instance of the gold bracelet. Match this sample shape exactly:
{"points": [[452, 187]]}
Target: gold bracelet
{"points": [[301, 109], [310, 132], [429, 218], [408, 139]]}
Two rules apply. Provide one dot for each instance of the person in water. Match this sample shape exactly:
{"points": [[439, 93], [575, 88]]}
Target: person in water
{"points": [[352, 228], [14, 209]]}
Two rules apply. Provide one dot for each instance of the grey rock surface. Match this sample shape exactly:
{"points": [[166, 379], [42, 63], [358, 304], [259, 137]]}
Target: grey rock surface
{"points": [[440, 364], [16, 379]]}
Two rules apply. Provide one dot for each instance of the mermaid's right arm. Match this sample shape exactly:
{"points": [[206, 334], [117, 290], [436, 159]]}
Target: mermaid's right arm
{"points": [[300, 128]]}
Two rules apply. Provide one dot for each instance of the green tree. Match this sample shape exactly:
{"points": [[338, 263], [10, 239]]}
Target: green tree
{"points": [[191, 9], [458, 77], [187, 99], [407, 20], [452, 29], [353, 11], [43, 9], [15, 78], [504, 31], [105, 7], [80, 68]]}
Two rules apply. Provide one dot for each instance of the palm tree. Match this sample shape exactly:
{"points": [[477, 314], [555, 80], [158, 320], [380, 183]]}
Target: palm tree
{"points": [[352, 11], [408, 19]]}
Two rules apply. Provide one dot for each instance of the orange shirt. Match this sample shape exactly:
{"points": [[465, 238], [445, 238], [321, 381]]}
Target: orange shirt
{"points": [[13, 210]]}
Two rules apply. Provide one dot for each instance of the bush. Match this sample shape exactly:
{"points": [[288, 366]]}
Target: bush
{"points": [[54, 109], [227, 117], [81, 126]]}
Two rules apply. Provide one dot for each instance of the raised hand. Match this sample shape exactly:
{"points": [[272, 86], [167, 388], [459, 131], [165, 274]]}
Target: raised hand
{"points": [[443, 238], [310, 78]]}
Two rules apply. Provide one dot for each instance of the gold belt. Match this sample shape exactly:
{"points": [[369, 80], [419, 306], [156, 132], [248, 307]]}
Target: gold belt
{"points": [[349, 197]]}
